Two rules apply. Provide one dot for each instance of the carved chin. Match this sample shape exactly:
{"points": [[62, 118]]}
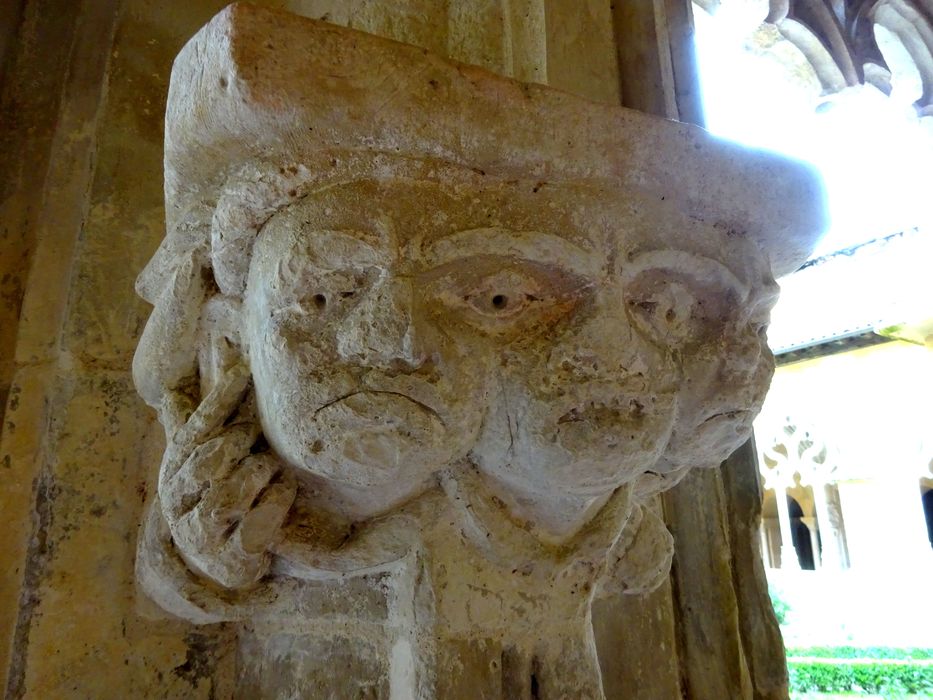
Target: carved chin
{"points": [[372, 438], [713, 440]]}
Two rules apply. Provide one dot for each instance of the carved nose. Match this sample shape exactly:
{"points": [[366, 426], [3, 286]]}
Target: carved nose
{"points": [[380, 332]]}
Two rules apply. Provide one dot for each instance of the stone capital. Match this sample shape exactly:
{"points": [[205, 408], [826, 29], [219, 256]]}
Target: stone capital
{"points": [[426, 341]]}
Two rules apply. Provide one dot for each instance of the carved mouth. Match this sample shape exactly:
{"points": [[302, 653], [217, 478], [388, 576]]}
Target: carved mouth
{"points": [[620, 408], [726, 417], [369, 392]]}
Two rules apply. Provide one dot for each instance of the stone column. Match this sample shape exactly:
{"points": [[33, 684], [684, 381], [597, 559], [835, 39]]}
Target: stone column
{"points": [[830, 555], [761, 636], [837, 523], [771, 533], [789, 558], [765, 549]]}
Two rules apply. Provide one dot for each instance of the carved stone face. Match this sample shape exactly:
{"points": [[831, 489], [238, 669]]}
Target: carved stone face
{"points": [[395, 327]]}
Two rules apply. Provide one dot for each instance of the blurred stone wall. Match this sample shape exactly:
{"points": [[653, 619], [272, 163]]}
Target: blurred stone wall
{"points": [[81, 134]]}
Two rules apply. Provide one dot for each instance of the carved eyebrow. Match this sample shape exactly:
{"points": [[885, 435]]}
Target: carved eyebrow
{"points": [[697, 266], [333, 249], [536, 246]]}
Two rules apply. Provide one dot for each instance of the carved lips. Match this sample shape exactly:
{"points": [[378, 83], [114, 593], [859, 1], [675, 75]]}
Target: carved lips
{"points": [[373, 435]]}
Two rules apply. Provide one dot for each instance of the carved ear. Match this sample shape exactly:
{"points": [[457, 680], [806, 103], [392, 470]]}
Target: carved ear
{"points": [[218, 340]]}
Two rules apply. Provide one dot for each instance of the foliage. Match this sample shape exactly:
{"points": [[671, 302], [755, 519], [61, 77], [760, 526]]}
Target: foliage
{"points": [[781, 606], [885, 678], [900, 653]]}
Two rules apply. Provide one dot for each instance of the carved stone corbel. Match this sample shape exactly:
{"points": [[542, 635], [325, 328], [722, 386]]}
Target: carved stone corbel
{"points": [[425, 342]]}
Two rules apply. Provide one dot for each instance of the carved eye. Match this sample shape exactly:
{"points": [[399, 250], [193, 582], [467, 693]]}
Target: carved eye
{"points": [[673, 308], [502, 294], [329, 300], [330, 295]]}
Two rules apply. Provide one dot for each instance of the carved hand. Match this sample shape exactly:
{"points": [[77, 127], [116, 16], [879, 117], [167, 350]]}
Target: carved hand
{"points": [[224, 506], [641, 558]]}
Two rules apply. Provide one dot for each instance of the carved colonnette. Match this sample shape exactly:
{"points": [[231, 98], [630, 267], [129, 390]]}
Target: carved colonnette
{"points": [[424, 342], [839, 40]]}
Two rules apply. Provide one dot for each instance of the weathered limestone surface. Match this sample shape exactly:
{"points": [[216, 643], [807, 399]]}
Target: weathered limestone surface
{"points": [[84, 452], [409, 335], [75, 436], [758, 632]]}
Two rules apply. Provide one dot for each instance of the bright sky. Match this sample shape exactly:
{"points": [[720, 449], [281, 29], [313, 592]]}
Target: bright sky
{"points": [[876, 157], [873, 150]]}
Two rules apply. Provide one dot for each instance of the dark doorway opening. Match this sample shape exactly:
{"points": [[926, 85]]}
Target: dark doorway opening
{"points": [[800, 534], [927, 498]]}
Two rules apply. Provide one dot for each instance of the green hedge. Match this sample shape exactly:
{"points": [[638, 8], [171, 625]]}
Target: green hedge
{"points": [[861, 653], [860, 677]]}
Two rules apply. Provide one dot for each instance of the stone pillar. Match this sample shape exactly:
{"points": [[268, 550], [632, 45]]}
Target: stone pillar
{"points": [[837, 523], [831, 553], [761, 637], [765, 548], [789, 558], [771, 530]]}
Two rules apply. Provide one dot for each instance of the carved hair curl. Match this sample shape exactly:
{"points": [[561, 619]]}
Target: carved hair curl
{"points": [[199, 269]]}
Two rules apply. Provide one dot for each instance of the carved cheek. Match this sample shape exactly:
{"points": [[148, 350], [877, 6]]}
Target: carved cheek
{"points": [[604, 347], [590, 408], [289, 359], [723, 391], [274, 349], [749, 368], [736, 370]]}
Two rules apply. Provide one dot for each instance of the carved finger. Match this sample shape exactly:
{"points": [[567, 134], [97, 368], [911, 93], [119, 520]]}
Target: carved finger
{"points": [[229, 499], [175, 411], [595, 539], [207, 528], [641, 559], [262, 525], [372, 548], [217, 406], [245, 557], [206, 419], [208, 462], [246, 411]]}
